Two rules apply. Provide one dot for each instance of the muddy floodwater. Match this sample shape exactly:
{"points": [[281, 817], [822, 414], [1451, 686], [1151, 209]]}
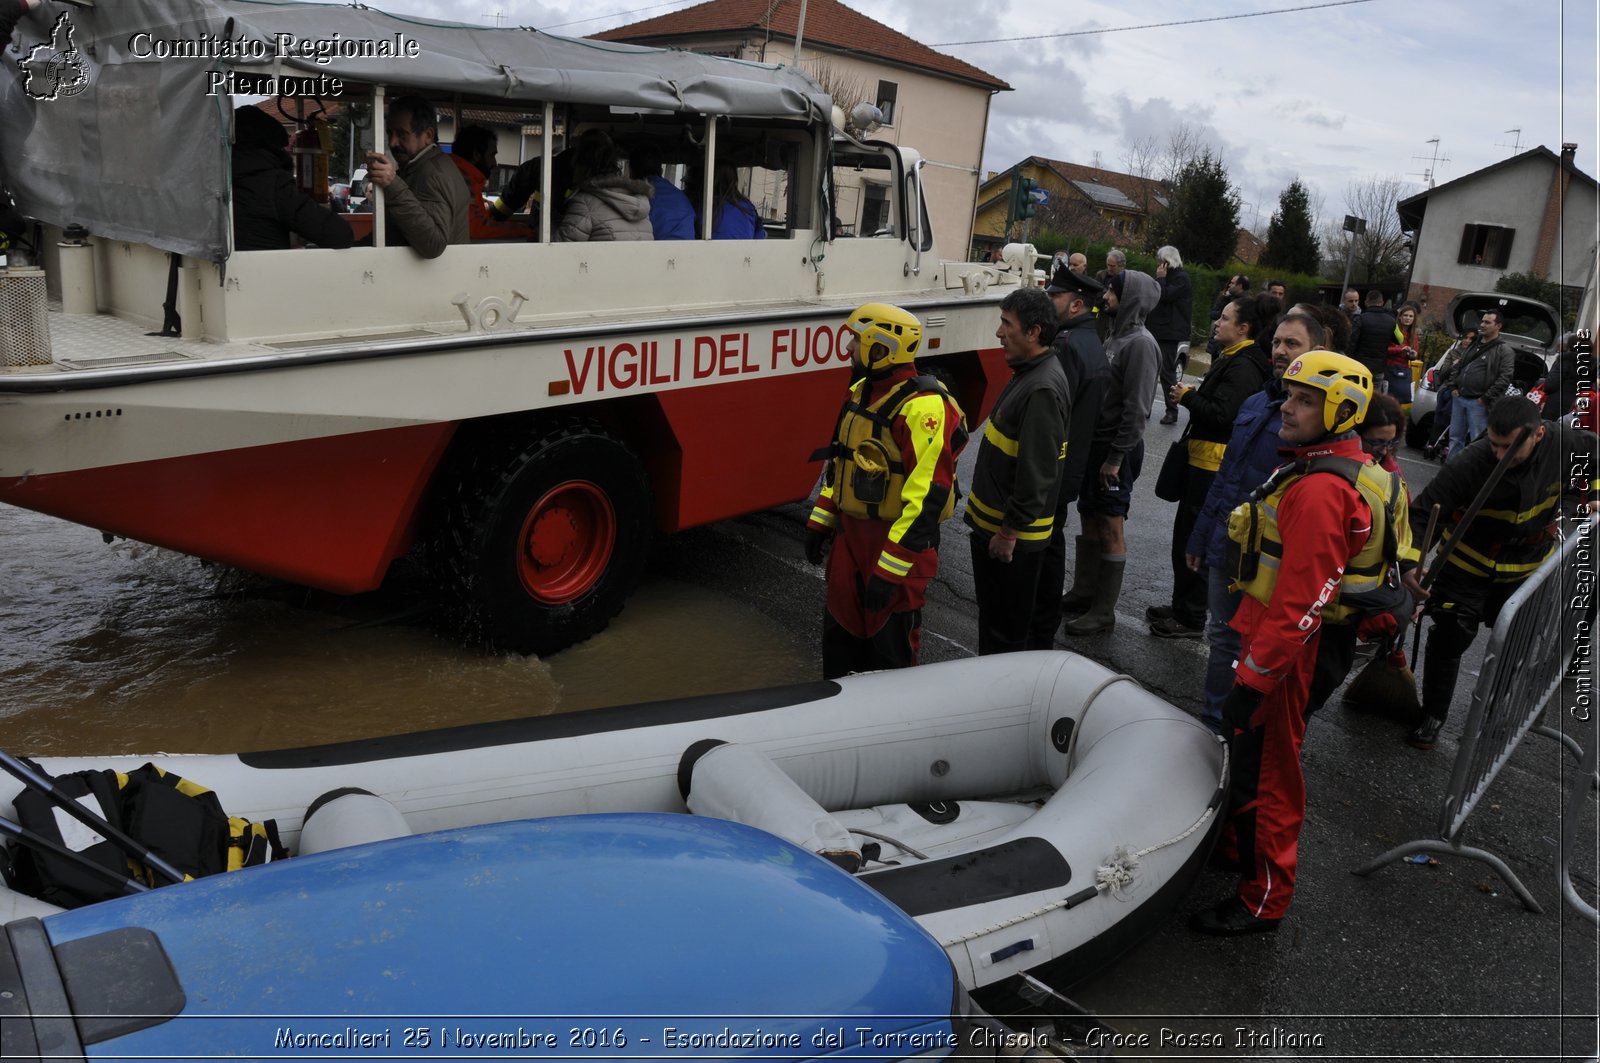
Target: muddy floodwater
{"points": [[125, 648]]}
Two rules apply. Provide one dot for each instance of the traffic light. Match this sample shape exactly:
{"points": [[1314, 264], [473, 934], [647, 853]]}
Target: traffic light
{"points": [[1026, 207]]}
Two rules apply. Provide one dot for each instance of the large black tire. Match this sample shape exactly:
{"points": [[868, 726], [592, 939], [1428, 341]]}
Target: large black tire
{"points": [[545, 539]]}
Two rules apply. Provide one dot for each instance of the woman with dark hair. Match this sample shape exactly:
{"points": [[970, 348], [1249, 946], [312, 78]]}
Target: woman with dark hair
{"points": [[1243, 363], [1407, 342], [733, 217], [1380, 431], [267, 204], [606, 205]]}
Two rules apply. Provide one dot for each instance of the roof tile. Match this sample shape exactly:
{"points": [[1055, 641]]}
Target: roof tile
{"points": [[829, 24]]}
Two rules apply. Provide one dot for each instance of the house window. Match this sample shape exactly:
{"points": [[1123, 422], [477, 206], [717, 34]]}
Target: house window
{"points": [[1486, 245], [886, 94], [874, 209]]}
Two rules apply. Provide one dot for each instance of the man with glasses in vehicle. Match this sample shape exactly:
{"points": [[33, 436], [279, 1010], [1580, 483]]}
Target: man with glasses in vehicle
{"points": [[425, 197]]}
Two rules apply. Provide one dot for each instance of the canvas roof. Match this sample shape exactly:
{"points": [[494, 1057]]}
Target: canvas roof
{"points": [[141, 154]]}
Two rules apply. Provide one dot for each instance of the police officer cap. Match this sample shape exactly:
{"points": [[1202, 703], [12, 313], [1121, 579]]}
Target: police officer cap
{"points": [[1066, 280]]}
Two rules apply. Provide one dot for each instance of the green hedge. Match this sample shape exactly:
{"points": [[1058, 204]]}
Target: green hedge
{"points": [[1301, 288]]}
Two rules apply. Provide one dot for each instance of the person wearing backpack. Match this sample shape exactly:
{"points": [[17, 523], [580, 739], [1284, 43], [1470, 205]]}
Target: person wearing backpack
{"points": [[888, 484], [1311, 538]]}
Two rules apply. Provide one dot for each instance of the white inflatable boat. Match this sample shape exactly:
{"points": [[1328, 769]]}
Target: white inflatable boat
{"points": [[1025, 808]]}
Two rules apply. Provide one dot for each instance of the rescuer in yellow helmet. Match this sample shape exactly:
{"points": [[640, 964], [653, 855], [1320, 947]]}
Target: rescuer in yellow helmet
{"points": [[888, 484], [1298, 534]]}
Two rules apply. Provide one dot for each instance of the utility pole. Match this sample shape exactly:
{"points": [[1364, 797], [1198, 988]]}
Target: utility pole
{"points": [[799, 34]]}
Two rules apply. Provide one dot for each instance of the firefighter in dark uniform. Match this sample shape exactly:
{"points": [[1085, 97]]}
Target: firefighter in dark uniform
{"points": [[1319, 518], [1011, 507], [889, 482], [1553, 474]]}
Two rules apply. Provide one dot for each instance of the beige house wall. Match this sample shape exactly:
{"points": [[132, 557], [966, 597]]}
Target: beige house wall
{"points": [[944, 120]]}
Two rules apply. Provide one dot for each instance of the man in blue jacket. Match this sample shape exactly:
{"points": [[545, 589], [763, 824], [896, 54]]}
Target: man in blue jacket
{"points": [[1252, 454]]}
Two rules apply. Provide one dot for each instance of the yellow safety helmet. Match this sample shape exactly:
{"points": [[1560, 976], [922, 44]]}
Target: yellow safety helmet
{"points": [[1341, 378], [896, 329]]}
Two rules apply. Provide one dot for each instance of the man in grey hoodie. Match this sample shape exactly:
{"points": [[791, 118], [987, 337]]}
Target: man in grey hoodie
{"points": [[1117, 450]]}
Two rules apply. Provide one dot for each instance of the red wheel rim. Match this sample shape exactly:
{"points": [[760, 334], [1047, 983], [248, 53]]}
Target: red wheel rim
{"points": [[566, 542]]}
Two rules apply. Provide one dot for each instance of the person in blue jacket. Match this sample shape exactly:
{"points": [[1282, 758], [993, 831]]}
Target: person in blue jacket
{"points": [[1251, 456], [733, 217], [671, 213]]}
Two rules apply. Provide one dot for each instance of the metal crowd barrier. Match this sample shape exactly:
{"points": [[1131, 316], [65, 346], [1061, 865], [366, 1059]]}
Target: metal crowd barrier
{"points": [[1540, 630]]}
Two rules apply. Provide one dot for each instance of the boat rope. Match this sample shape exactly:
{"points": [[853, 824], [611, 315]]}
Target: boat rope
{"points": [[1088, 703], [1115, 876], [902, 846]]}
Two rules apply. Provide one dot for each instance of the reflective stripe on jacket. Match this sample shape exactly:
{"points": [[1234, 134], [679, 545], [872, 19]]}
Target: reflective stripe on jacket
{"points": [[893, 459], [1017, 478]]}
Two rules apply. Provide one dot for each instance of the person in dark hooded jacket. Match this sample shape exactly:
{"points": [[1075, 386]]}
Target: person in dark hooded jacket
{"points": [[1117, 450], [267, 204]]}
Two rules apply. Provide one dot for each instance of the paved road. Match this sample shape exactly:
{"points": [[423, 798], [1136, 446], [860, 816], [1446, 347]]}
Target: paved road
{"points": [[1437, 959]]}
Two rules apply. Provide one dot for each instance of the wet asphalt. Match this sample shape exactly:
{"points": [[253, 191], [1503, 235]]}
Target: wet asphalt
{"points": [[1434, 959]]}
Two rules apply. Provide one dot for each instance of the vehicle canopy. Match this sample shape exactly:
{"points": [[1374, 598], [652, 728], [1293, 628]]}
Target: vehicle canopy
{"points": [[116, 116]]}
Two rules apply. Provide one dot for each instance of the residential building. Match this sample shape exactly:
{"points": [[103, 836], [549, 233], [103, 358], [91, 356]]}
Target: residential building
{"points": [[1100, 205], [1532, 213], [930, 101]]}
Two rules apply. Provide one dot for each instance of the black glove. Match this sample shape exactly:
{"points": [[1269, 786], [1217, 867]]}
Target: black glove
{"points": [[817, 545], [876, 597], [1241, 704]]}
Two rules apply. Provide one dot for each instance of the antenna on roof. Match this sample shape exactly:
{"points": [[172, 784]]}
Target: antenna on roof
{"points": [[498, 17], [1516, 144], [1432, 168]]}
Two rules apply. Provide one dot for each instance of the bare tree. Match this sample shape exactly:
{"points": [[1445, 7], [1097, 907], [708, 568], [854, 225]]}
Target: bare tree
{"points": [[1140, 159], [1379, 253], [1185, 144], [846, 87]]}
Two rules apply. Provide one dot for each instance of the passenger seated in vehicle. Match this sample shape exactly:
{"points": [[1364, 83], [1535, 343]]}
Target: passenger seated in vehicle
{"points": [[267, 204], [607, 205], [671, 213], [733, 217], [425, 199], [474, 155], [521, 193]]}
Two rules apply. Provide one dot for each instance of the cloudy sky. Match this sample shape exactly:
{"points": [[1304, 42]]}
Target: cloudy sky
{"points": [[1333, 92]]}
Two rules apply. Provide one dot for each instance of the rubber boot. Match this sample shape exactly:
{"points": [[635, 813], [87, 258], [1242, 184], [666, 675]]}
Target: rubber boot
{"points": [[1085, 577], [1102, 614], [1439, 675]]}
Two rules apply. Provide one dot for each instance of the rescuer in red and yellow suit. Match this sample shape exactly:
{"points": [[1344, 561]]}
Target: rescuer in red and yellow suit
{"points": [[1300, 535], [888, 484]]}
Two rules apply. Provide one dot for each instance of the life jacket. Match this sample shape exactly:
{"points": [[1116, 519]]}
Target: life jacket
{"points": [[1371, 579], [176, 819], [864, 468]]}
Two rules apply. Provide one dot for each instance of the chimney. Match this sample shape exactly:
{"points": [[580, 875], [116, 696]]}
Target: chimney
{"points": [[1555, 202]]}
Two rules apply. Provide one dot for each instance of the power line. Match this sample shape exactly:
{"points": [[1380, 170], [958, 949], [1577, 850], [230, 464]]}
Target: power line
{"points": [[614, 14], [1151, 25]]}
